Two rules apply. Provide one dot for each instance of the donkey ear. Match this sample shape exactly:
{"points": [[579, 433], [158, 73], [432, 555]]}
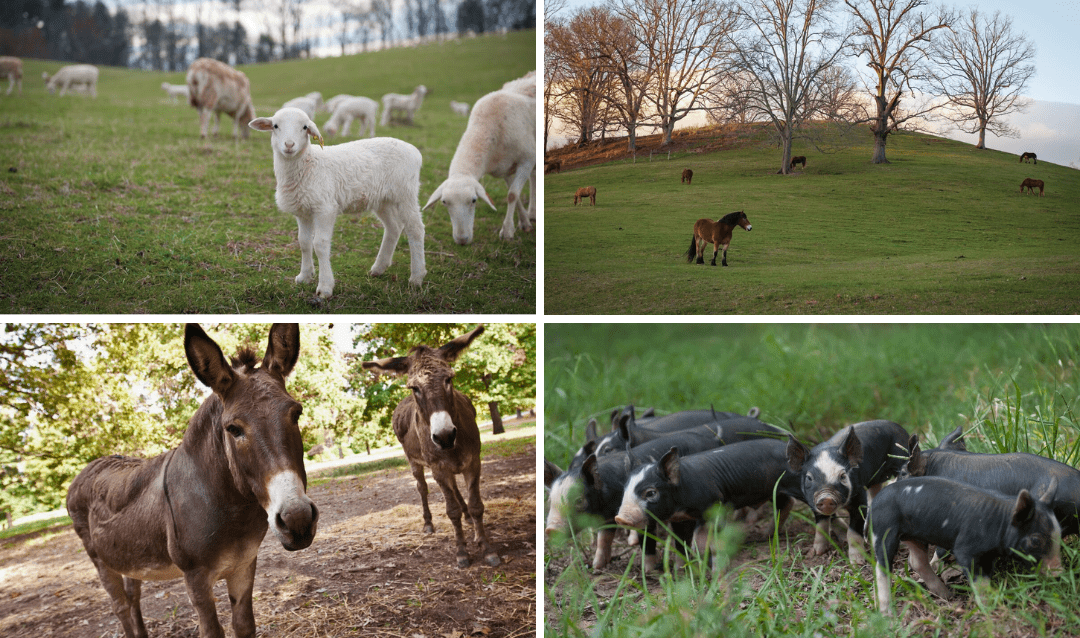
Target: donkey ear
{"points": [[206, 360], [391, 365], [451, 351], [283, 349]]}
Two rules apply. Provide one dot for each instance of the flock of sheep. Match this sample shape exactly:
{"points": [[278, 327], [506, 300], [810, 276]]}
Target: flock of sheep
{"points": [[316, 183]]}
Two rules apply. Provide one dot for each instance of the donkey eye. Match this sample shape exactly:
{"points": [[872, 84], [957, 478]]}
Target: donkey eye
{"points": [[235, 430]]}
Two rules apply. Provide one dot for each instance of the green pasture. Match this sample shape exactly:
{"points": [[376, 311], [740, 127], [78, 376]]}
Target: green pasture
{"points": [[1011, 387], [941, 229], [115, 205]]}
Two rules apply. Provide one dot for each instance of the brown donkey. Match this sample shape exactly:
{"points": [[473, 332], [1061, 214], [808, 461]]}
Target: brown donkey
{"points": [[201, 510], [436, 426]]}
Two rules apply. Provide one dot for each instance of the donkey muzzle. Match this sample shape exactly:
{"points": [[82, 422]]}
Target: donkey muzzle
{"points": [[443, 430], [291, 514]]}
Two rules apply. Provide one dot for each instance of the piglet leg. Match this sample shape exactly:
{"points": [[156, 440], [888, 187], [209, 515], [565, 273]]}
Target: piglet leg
{"points": [[920, 562]]}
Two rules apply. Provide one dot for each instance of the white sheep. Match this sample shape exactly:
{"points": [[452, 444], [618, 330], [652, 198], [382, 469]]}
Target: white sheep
{"points": [[316, 97], [316, 184], [525, 85], [175, 91], [409, 104], [305, 104], [11, 68], [461, 108], [330, 105], [215, 88], [361, 108], [499, 140], [84, 76]]}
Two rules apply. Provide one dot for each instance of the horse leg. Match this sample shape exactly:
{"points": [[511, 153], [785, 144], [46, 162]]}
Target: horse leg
{"points": [[700, 250], [715, 249], [240, 584], [725, 255], [476, 513], [455, 505]]}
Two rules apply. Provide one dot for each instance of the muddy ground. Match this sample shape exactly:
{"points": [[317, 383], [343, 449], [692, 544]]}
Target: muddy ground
{"points": [[371, 571]]}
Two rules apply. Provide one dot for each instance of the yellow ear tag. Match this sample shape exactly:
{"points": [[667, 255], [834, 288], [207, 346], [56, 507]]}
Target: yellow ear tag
{"points": [[319, 139]]}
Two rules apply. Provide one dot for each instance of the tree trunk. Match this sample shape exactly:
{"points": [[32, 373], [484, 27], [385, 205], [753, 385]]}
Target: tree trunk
{"points": [[496, 418], [982, 134], [879, 148], [785, 140]]}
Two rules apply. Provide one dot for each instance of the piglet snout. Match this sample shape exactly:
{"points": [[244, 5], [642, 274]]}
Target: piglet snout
{"points": [[826, 503]]}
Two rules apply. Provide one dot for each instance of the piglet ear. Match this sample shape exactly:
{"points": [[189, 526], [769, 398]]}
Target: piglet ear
{"points": [[916, 463], [590, 431], [669, 466], [261, 124], [1051, 490], [589, 471], [551, 472], [589, 447], [852, 448], [1024, 510], [954, 440], [796, 454]]}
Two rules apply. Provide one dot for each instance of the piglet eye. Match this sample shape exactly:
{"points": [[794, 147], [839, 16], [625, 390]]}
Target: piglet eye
{"points": [[650, 493]]}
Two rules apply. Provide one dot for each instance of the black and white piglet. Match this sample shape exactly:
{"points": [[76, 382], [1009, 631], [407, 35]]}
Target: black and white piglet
{"points": [[981, 528], [684, 487], [627, 425], [837, 473]]}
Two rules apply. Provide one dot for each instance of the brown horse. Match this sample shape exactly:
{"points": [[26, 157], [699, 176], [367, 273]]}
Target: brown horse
{"points": [[436, 426], [798, 159], [718, 232], [687, 175], [1030, 156], [201, 510], [583, 192], [552, 166], [1031, 185]]}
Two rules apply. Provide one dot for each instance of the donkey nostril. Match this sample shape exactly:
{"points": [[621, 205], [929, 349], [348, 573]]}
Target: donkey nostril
{"points": [[314, 514]]}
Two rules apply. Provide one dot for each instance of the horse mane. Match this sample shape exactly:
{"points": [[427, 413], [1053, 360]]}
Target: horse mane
{"points": [[731, 219]]}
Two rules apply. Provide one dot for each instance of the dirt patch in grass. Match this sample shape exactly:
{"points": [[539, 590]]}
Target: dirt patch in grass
{"points": [[371, 571]]}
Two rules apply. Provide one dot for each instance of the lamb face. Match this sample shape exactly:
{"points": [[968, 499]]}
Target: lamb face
{"points": [[459, 194], [290, 131]]}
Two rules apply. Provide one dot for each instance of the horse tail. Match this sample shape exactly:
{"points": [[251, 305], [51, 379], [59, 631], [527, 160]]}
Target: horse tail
{"points": [[690, 254]]}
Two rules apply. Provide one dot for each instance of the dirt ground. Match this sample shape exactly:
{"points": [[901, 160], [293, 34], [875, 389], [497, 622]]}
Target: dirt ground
{"points": [[371, 571]]}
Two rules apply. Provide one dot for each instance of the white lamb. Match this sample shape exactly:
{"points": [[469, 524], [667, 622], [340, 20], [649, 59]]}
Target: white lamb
{"points": [[175, 91], [361, 108], [525, 84], [317, 98], [330, 105], [83, 76], [316, 184], [461, 108], [305, 104], [408, 104], [215, 88], [11, 68], [500, 140]]}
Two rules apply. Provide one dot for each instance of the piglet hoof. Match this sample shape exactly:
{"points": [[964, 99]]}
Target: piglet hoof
{"points": [[856, 557], [493, 560]]}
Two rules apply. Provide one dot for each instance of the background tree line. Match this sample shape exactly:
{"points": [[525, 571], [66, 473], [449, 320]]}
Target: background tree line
{"points": [[70, 393], [889, 64], [158, 36]]}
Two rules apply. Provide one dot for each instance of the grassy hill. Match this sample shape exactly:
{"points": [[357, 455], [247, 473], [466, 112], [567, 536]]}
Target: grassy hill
{"points": [[114, 205], [942, 229]]}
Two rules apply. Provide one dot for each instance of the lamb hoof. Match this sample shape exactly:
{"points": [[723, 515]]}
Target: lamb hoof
{"points": [[303, 279], [492, 560], [417, 281]]}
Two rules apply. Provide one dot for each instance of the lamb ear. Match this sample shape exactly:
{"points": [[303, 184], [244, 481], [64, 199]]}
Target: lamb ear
{"points": [[315, 134], [435, 197], [482, 194], [261, 124]]}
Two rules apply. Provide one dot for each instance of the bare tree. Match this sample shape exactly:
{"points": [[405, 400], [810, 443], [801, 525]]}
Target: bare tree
{"points": [[894, 35], [581, 82], [984, 69], [787, 48], [687, 41], [630, 67]]}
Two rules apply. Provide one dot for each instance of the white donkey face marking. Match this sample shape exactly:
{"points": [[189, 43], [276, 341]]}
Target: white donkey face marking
{"points": [[290, 510], [442, 428]]}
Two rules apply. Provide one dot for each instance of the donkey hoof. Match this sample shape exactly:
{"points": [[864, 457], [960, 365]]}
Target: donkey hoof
{"points": [[429, 528], [463, 562], [492, 560]]}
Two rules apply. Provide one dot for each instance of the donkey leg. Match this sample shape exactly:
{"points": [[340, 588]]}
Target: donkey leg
{"points": [[133, 588], [476, 513], [200, 590], [455, 505], [121, 603], [240, 584], [421, 486]]}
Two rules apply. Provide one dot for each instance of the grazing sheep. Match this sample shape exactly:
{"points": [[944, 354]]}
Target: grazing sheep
{"points": [[499, 140], [687, 175], [583, 192], [409, 104], [175, 91], [798, 159], [330, 105], [360, 108], [1031, 185], [526, 84], [552, 166], [11, 68], [305, 104], [1027, 156], [84, 76], [215, 88], [316, 184], [316, 97], [461, 108]]}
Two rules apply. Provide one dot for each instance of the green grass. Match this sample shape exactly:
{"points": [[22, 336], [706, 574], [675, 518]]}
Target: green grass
{"points": [[942, 229], [118, 207], [36, 526], [1012, 387]]}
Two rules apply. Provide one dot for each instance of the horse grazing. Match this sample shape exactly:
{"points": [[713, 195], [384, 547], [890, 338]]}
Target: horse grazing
{"points": [[436, 426], [687, 175], [718, 232], [552, 166], [798, 159], [1031, 185], [1031, 156], [583, 192], [202, 509]]}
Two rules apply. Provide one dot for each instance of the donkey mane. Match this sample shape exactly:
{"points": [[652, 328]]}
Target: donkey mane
{"points": [[246, 358]]}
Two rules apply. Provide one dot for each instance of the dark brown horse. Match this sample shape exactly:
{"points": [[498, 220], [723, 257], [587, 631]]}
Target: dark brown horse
{"points": [[1031, 185], [798, 159], [687, 175], [1027, 156], [436, 426], [201, 511], [718, 233]]}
